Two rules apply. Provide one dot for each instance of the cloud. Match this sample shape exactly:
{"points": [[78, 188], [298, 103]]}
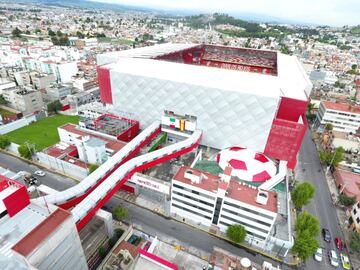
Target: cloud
{"points": [[330, 12]]}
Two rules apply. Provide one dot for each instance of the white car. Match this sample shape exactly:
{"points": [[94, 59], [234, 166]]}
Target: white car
{"points": [[318, 255], [334, 261], [40, 173], [345, 261]]}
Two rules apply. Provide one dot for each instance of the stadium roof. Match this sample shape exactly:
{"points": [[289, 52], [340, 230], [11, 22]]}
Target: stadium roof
{"points": [[291, 80], [143, 52]]}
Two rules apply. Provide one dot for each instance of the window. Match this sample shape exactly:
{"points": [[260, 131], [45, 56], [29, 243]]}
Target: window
{"points": [[192, 205], [244, 223], [246, 217], [192, 198], [354, 211], [190, 211], [357, 220], [249, 210], [247, 232], [193, 191]]}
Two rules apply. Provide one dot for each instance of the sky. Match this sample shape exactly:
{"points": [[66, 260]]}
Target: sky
{"points": [[322, 12]]}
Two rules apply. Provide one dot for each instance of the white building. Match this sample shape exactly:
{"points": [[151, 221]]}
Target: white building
{"points": [[343, 117], [36, 236], [62, 70], [218, 201], [240, 96]]}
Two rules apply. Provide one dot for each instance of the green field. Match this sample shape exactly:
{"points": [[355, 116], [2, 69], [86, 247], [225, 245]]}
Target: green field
{"points": [[42, 133]]}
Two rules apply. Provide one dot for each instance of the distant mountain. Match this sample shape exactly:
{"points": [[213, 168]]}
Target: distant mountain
{"points": [[253, 17]]}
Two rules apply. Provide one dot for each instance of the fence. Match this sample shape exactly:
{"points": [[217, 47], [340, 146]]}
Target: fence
{"points": [[62, 166], [4, 129]]}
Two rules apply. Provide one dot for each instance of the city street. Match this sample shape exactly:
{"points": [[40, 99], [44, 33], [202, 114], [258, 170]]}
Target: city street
{"points": [[309, 168], [51, 179], [146, 220]]}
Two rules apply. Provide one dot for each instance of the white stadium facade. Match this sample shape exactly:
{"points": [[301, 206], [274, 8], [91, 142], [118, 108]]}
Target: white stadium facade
{"points": [[241, 97]]}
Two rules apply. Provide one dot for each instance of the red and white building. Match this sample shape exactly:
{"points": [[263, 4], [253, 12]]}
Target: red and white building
{"points": [[35, 236], [342, 116], [219, 201], [240, 97]]}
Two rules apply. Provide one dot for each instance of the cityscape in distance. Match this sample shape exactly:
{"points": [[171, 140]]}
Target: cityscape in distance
{"points": [[195, 135]]}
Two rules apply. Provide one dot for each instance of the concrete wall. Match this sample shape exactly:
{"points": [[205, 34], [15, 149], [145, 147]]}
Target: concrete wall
{"points": [[17, 124], [62, 166], [13, 147]]}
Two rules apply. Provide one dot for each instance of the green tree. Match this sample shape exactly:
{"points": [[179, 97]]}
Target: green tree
{"points": [[51, 33], [355, 241], [3, 101], [59, 33], [102, 252], [332, 158], [24, 151], [16, 32], [305, 245], [92, 168], [63, 41], [4, 142], [55, 40], [307, 222], [354, 66], [236, 233], [346, 200], [80, 34], [54, 106], [329, 126], [302, 194], [120, 212]]}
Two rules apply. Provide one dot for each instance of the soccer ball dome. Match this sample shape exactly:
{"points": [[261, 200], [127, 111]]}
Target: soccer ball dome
{"points": [[247, 164]]}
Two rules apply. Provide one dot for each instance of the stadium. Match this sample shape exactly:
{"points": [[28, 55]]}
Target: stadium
{"points": [[241, 97]]}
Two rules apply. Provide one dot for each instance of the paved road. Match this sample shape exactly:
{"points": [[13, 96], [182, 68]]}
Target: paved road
{"points": [[148, 221], [309, 168], [53, 180]]}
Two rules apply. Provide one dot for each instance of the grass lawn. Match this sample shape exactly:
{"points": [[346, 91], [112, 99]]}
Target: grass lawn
{"points": [[42, 133]]}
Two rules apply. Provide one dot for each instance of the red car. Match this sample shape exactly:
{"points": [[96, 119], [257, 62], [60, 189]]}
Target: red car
{"points": [[339, 243]]}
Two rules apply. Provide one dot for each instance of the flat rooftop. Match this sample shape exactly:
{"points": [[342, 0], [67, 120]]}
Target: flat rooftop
{"points": [[344, 107], [236, 190], [114, 145], [14, 229]]}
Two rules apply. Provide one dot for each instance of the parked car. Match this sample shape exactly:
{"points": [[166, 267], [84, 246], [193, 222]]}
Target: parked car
{"points": [[345, 261], [326, 235], [40, 173], [333, 258], [339, 243], [318, 255], [31, 180]]}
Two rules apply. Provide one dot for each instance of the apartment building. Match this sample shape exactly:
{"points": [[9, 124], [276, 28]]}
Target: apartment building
{"points": [[219, 201], [62, 70], [35, 236], [354, 220], [24, 100], [344, 117]]}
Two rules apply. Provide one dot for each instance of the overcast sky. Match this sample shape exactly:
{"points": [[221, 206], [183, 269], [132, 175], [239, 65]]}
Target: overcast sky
{"points": [[330, 12]]}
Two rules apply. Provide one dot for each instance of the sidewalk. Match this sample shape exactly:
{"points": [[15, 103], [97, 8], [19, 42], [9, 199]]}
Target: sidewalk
{"points": [[159, 209]]}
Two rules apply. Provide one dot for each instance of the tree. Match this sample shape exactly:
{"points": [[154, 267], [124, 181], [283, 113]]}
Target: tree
{"points": [[302, 194], [80, 34], [305, 245], [355, 242], [3, 101], [59, 33], [93, 167], [64, 41], [329, 126], [55, 40], [236, 233], [4, 142], [16, 32], [346, 200], [54, 106], [120, 213], [102, 252], [354, 66], [51, 33], [332, 158], [24, 151], [306, 222]]}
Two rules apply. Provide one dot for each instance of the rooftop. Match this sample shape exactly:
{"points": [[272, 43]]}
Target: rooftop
{"points": [[291, 80], [28, 243], [114, 145], [238, 191], [344, 107], [350, 181]]}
